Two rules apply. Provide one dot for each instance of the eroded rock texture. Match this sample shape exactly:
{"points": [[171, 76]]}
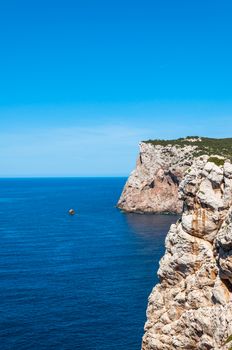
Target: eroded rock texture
{"points": [[153, 185], [191, 307]]}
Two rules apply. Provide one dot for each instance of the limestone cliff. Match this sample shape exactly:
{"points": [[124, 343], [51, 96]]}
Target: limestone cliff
{"points": [[191, 307], [161, 165], [153, 185]]}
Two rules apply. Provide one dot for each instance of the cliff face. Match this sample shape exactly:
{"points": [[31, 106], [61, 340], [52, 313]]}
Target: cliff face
{"points": [[191, 307], [153, 185]]}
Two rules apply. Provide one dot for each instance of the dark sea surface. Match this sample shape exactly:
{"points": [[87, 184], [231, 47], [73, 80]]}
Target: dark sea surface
{"points": [[74, 282]]}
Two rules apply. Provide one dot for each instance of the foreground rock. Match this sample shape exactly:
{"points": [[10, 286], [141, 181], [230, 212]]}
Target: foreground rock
{"points": [[191, 307]]}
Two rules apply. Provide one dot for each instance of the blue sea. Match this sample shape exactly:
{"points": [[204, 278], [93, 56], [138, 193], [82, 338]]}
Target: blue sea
{"points": [[74, 282]]}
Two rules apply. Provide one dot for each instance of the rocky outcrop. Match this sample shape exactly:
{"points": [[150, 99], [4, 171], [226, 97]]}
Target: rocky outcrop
{"points": [[153, 186], [191, 307]]}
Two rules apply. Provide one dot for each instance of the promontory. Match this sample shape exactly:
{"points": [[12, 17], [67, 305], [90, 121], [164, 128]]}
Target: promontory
{"points": [[191, 306]]}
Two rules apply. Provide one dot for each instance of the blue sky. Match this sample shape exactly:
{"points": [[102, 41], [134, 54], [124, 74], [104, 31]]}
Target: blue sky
{"points": [[82, 82]]}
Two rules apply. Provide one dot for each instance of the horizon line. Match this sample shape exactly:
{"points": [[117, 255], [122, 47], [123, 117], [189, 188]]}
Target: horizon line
{"points": [[63, 177]]}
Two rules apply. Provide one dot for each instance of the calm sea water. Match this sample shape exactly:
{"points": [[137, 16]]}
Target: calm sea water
{"points": [[78, 282]]}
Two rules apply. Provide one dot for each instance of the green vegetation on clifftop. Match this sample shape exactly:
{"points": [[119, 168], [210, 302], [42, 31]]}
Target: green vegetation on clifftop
{"points": [[205, 145]]}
